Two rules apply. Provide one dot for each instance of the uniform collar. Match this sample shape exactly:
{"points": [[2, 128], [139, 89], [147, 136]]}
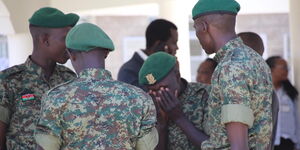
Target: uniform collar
{"points": [[227, 48], [95, 73], [33, 67], [36, 69], [191, 89]]}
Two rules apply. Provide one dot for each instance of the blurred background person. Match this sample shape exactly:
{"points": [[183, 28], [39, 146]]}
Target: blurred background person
{"points": [[205, 71], [287, 133], [253, 40]]}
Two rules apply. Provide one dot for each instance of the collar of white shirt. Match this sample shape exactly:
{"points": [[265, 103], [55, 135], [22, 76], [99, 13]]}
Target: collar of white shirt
{"points": [[142, 54]]}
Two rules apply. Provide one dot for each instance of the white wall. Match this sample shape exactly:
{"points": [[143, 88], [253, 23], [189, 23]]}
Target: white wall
{"points": [[19, 46], [295, 45], [258, 6]]}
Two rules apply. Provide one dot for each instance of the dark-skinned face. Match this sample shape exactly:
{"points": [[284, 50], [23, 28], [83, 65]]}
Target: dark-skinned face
{"points": [[171, 44], [57, 49], [280, 70], [202, 33], [171, 81]]}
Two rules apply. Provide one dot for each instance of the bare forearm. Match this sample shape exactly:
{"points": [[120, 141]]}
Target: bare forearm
{"points": [[237, 135], [193, 134], [163, 137], [239, 147], [3, 128]]}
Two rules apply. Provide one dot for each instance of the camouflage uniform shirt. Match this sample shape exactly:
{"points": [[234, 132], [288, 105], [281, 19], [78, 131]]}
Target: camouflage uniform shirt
{"points": [[241, 92], [193, 102], [21, 90], [96, 112]]}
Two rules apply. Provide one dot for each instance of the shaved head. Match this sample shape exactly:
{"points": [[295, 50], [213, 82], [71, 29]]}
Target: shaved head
{"points": [[37, 32], [223, 22], [214, 30]]}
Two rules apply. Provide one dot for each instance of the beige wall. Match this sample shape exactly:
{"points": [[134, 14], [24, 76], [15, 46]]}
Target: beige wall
{"points": [[273, 26], [21, 11], [80, 5], [20, 46], [118, 28], [20, 43]]}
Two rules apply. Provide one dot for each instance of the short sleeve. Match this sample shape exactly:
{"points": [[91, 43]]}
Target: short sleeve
{"points": [[5, 110], [49, 121], [149, 116], [149, 141], [47, 142], [235, 82]]}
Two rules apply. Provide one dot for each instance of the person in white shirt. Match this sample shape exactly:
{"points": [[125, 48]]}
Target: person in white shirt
{"points": [[288, 127]]}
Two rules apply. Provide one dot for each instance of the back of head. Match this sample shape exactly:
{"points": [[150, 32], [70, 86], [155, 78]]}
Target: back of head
{"points": [[158, 30], [271, 61], [85, 37], [205, 71], [212, 62], [88, 46], [253, 40]]}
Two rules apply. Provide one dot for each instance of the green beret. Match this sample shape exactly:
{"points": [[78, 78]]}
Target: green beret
{"points": [[52, 18], [156, 67], [87, 36], [205, 7]]}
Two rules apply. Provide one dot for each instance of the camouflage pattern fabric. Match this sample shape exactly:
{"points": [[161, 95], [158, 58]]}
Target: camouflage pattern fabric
{"points": [[96, 112], [193, 101], [242, 77], [21, 89]]}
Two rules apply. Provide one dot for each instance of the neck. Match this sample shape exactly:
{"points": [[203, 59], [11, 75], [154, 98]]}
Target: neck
{"points": [[46, 64], [91, 63], [223, 39], [148, 52], [183, 86], [277, 84]]}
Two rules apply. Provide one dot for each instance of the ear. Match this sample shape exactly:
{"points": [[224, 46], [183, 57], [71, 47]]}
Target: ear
{"points": [[106, 52], [204, 26], [44, 39], [72, 56]]}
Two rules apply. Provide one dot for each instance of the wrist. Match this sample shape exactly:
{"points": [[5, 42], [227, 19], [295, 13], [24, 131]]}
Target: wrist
{"points": [[180, 119], [161, 126]]}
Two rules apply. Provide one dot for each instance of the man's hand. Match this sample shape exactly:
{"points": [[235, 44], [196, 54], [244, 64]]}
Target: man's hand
{"points": [[162, 123], [162, 117], [170, 104]]}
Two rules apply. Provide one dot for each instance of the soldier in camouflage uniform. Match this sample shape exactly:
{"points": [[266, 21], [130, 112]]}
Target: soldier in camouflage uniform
{"points": [[239, 106], [94, 111], [180, 117], [22, 86]]}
